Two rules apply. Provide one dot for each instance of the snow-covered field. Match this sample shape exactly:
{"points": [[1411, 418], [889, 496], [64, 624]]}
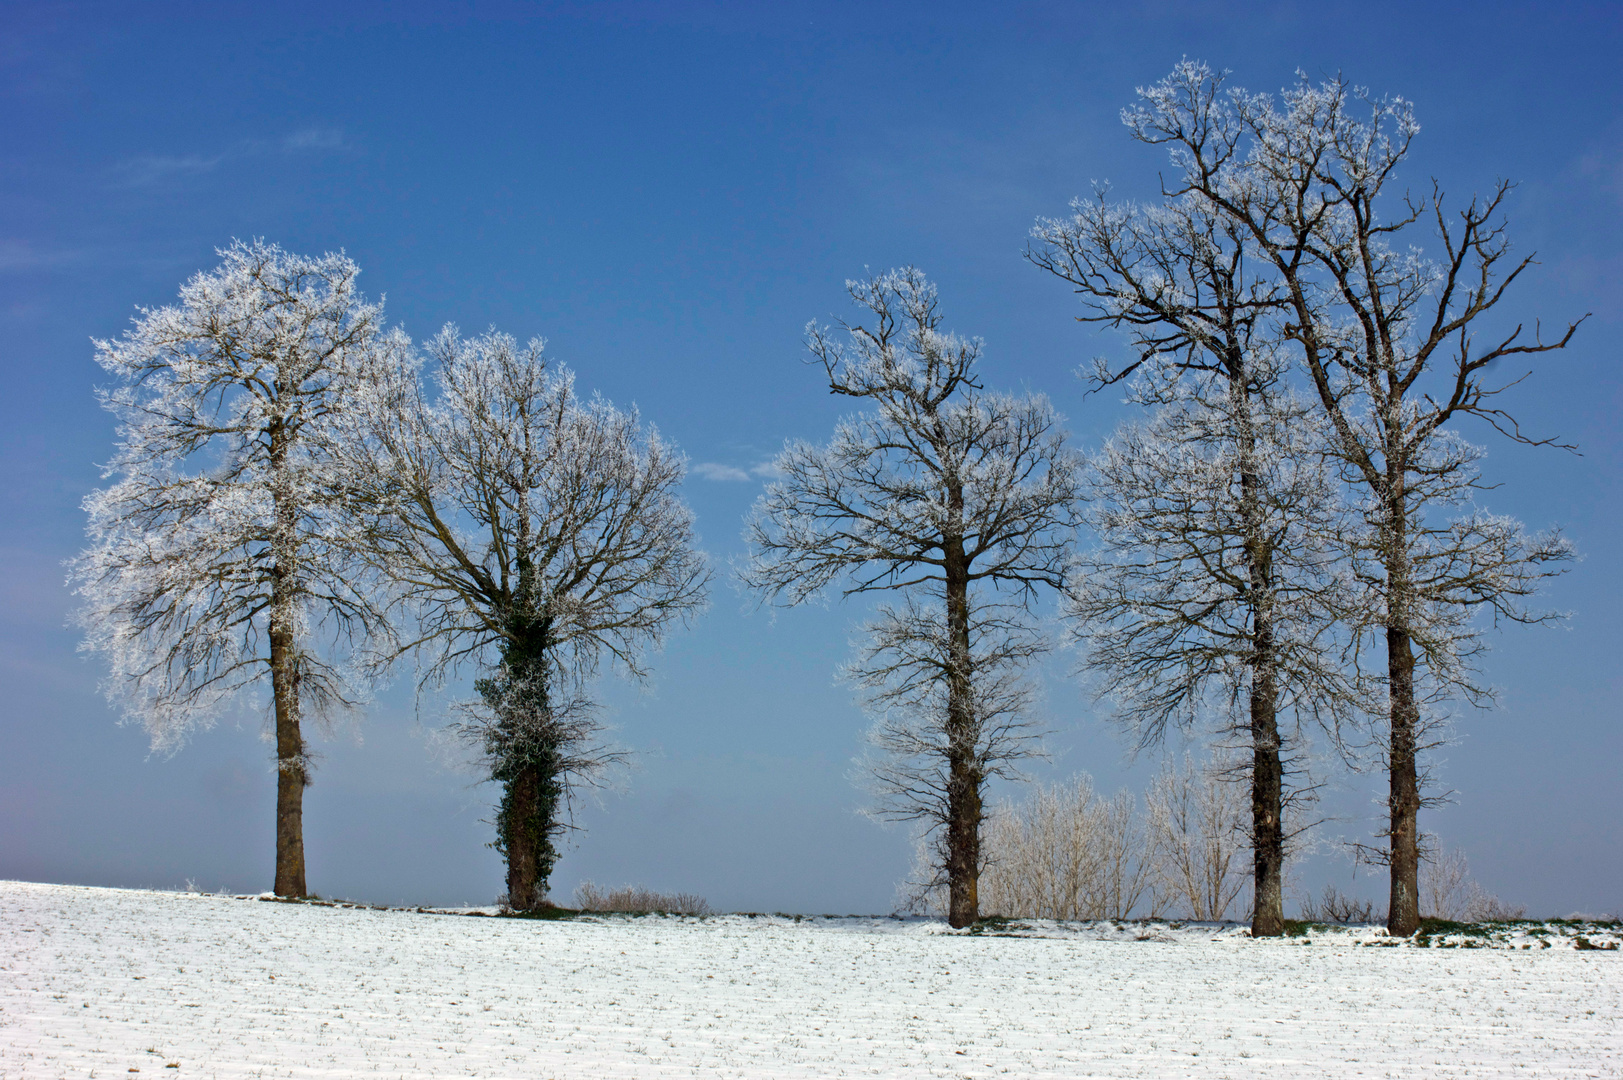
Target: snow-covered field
{"points": [[105, 982]]}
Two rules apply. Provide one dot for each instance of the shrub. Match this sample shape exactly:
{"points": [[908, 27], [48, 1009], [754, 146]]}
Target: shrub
{"points": [[1337, 907], [636, 900]]}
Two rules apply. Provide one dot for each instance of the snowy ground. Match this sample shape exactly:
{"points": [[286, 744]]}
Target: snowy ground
{"points": [[105, 982]]}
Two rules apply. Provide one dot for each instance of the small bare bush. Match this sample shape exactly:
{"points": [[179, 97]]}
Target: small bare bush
{"points": [[1335, 906], [1445, 885], [1486, 907], [1447, 891], [636, 900]]}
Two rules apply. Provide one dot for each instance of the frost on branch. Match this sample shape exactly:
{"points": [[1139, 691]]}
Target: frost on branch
{"points": [[960, 503], [222, 509], [532, 535], [217, 554], [1218, 581], [1398, 348]]}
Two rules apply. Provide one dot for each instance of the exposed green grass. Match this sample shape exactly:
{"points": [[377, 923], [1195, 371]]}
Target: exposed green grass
{"points": [[997, 926], [1301, 927], [1582, 943]]}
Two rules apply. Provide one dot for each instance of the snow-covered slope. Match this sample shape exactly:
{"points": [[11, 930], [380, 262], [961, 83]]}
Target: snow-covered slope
{"points": [[105, 982]]}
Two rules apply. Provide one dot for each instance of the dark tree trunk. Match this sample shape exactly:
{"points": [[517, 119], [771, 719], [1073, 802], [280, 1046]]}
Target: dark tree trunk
{"points": [[1267, 770], [524, 751], [1267, 803], [292, 765], [964, 777], [1403, 779], [524, 884], [1403, 795], [963, 841], [292, 773]]}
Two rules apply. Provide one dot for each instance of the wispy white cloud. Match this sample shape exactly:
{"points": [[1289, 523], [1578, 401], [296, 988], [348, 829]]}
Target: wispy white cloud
{"points": [[315, 139], [19, 255], [150, 170], [711, 470]]}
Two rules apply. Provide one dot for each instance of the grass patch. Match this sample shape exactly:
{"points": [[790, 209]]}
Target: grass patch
{"points": [[997, 926], [545, 914]]}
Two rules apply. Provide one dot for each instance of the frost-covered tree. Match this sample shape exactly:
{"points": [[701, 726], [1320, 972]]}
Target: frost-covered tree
{"points": [[1392, 342], [962, 504], [1198, 831], [531, 535], [1214, 581], [215, 560], [1064, 852]]}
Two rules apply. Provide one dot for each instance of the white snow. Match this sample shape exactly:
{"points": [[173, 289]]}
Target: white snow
{"points": [[104, 982]]}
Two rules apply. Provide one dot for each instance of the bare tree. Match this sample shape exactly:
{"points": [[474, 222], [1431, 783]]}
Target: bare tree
{"points": [[1215, 575], [961, 501], [1445, 884], [1127, 871], [1447, 890], [1063, 852], [531, 535], [1388, 339], [213, 563], [1198, 830], [1067, 853], [1040, 855]]}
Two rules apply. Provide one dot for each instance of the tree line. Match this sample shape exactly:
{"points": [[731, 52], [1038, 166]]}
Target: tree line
{"points": [[1283, 546]]}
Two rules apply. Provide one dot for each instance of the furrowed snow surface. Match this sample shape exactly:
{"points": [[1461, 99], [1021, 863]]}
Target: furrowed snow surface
{"points": [[112, 981]]}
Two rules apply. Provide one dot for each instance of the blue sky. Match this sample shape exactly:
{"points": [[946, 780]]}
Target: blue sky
{"points": [[667, 193]]}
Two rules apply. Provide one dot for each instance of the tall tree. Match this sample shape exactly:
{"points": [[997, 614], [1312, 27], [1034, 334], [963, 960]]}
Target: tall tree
{"points": [[213, 563], [1390, 340], [532, 535], [961, 501], [1214, 582]]}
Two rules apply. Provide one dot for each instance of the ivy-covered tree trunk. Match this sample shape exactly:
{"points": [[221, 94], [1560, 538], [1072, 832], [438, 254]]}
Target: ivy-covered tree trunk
{"points": [[526, 759], [524, 823], [539, 535]]}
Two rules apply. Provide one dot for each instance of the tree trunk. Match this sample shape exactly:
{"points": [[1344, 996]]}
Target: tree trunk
{"points": [[1267, 803], [523, 842], [1403, 790], [963, 841], [1267, 771], [292, 772], [292, 764], [963, 770], [1403, 796], [526, 758]]}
